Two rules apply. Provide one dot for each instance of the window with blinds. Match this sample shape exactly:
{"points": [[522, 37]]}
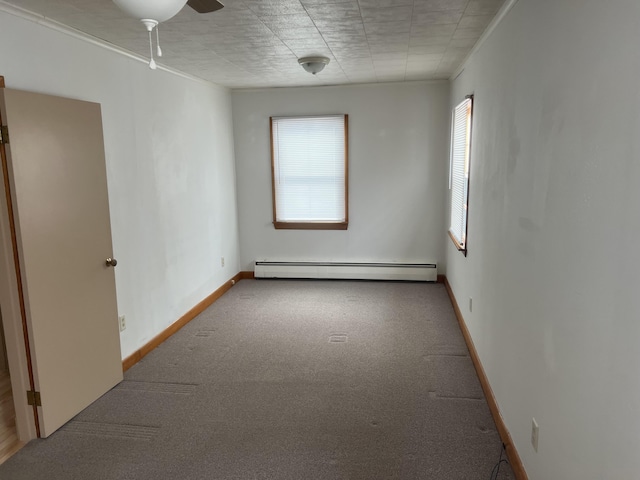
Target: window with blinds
{"points": [[309, 168], [459, 171]]}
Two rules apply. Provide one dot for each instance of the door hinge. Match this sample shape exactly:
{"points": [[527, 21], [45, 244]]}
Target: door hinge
{"points": [[4, 134], [33, 398]]}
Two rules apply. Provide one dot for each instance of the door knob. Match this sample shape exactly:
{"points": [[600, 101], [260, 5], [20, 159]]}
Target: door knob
{"points": [[111, 262]]}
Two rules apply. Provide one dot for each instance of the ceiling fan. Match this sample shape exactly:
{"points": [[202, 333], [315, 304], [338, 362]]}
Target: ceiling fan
{"points": [[153, 12], [205, 6]]}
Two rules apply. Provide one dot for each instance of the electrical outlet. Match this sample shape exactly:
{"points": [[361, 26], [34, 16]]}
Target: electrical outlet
{"points": [[222, 261], [470, 304], [534, 434], [122, 322]]}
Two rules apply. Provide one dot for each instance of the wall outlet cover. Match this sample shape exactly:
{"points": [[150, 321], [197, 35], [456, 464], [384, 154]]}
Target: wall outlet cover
{"points": [[535, 429]]}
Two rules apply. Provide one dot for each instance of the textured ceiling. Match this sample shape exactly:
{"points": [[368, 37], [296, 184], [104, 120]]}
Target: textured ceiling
{"points": [[256, 43]]}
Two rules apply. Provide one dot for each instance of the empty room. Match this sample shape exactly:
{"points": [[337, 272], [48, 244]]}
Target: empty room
{"points": [[323, 239]]}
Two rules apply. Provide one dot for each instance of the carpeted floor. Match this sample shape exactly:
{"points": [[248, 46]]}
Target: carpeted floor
{"points": [[290, 380]]}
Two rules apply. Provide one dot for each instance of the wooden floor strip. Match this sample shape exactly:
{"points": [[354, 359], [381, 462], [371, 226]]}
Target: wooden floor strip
{"points": [[9, 443]]}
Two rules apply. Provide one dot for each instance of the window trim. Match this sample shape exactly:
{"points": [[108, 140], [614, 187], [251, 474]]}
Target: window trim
{"points": [[279, 225], [461, 246]]}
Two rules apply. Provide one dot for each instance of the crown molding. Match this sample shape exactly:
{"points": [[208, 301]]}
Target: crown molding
{"points": [[84, 37], [508, 5]]}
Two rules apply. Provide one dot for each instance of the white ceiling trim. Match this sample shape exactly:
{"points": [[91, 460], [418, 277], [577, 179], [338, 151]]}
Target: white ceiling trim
{"points": [[342, 85], [77, 34], [256, 43], [508, 5]]}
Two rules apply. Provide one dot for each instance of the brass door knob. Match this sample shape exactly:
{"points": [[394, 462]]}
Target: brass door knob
{"points": [[111, 262]]}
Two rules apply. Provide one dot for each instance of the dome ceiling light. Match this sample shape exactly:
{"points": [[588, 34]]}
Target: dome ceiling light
{"points": [[313, 65]]}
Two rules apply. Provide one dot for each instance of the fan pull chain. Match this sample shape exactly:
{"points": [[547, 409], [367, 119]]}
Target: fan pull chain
{"points": [[159, 52], [152, 62]]}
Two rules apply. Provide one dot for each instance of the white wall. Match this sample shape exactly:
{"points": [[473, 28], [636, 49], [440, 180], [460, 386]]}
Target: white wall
{"points": [[398, 161], [552, 266], [170, 167]]}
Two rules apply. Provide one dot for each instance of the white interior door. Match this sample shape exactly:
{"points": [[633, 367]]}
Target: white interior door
{"points": [[59, 193]]}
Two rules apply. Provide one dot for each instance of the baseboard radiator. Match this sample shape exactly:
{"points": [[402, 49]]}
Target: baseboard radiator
{"points": [[422, 272]]}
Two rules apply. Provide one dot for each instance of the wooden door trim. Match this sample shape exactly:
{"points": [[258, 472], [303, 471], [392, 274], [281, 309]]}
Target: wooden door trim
{"points": [[18, 271]]}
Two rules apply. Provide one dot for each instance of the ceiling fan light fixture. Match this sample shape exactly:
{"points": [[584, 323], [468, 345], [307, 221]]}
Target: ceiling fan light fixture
{"points": [[313, 65], [153, 12], [158, 10]]}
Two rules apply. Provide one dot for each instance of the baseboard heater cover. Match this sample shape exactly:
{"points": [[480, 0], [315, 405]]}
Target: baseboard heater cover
{"points": [[422, 272]]}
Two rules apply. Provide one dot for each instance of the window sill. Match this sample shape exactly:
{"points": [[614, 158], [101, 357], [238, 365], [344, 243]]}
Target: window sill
{"points": [[460, 248], [310, 225]]}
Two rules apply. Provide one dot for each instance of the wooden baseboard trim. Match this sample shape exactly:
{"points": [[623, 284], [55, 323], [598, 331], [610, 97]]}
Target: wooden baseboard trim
{"points": [[441, 279], [139, 354], [512, 453], [246, 275]]}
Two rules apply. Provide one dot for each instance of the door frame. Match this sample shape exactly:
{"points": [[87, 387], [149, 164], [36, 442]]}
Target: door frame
{"points": [[14, 338], [10, 302]]}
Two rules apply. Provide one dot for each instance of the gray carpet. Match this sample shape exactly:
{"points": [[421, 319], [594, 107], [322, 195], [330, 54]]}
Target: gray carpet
{"points": [[284, 379]]}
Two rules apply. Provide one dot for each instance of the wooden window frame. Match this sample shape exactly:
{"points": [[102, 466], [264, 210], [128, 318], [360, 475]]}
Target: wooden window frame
{"points": [[462, 246], [279, 225]]}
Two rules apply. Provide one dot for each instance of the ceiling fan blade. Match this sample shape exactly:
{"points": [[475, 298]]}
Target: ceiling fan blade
{"points": [[205, 6]]}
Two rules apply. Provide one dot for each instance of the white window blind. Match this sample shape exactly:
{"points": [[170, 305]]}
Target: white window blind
{"points": [[459, 173], [309, 169]]}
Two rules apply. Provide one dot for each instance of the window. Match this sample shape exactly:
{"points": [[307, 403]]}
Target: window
{"points": [[309, 172], [459, 172]]}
